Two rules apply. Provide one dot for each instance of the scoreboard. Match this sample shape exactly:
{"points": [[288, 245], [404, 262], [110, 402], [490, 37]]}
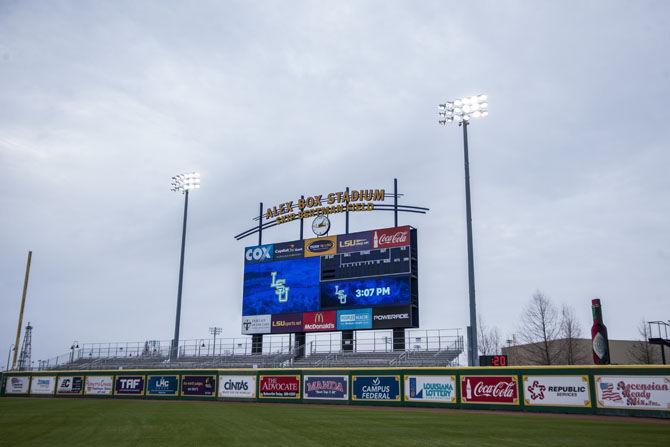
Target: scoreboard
{"points": [[363, 280]]}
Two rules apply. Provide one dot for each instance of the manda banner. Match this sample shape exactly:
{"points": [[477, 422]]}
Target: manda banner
{"points": [[99, 385], [43, 385], [129, 385], [633, 392], [564, 391], [430, 389], [279, 387], [489, 390], [376, 388], [17, 385], [70, 385], [198, 385], [163, 385], [326, 387], [238, 387]]}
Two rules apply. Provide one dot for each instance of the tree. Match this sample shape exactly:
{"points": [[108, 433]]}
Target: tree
{"points": [[570, 332], [641, 351], [540, 327], [488, 338]]}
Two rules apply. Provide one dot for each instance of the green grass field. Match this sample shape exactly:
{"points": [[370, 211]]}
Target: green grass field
{"points": [[98, 423]]}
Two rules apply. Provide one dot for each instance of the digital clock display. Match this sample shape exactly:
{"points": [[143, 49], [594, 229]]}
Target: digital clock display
{"points": [[493, 360]]}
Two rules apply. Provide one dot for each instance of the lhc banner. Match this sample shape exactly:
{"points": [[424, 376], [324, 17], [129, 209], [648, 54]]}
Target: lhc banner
{"points": [[563, 391], [489, 390], [430, 389], [326, 387], [239, 387], [279, 387], [633, 392], [43, 385], [163, 385], [99, 385], [17, 385], [70, 385], [198, 385]]}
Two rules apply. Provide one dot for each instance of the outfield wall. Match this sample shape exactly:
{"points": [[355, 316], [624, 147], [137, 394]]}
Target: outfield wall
{"points": [[613, 390]]}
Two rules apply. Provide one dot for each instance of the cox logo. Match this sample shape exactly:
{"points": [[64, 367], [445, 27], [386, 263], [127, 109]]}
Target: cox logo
{"points": [[260, 253]]}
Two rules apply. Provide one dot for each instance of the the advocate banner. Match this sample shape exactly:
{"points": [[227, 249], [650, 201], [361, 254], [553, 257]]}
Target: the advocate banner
{"points": [[163, 385], [430, 388], [129, 385], [326, 387], [99, 385], [489, 390], [376, 388], [279, 387], [633, 392], [43, 385], [17, 385], [70, 385], [564, 391], [198, 385], [240, 387]]}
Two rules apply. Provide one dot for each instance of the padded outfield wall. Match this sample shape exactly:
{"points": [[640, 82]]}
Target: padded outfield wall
{"points": [[611, 390]]}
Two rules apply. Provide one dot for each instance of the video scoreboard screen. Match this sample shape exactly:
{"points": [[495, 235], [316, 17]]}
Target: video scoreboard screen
{"points": [[363, 280]]}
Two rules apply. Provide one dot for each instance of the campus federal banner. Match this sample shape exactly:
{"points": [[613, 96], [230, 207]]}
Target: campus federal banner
{"points": [[99, 385], [70, 385], [163, 385], [375, 388], [327, 387], [129, 386], [420, 388], [43, 385], [562, 391], [198, 385], [238, 387], [17, 385], [633, 392]]}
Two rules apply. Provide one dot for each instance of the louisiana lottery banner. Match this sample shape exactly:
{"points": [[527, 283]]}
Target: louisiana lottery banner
{"points": [[279, 387], [198, 385], [99, 385], [375, 388], [564, 391], [129, 385], [240, 387], [430, 389], [326, 387], [163, 385], [70, 385], [633, 392], [43, 385], [17, 385], [489, 390]]}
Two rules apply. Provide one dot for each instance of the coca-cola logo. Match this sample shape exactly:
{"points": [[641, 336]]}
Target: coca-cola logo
{"points": [[489, 389], [501, 389], [393, 237]]}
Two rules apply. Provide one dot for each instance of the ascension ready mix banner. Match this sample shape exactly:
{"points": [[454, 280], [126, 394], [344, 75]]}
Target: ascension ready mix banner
{"points": [[72, 385], [563, 391], [99, 385], [279, 387], [198, 385], [43, 385], [633, 392], [489, 390], [17, 385]]}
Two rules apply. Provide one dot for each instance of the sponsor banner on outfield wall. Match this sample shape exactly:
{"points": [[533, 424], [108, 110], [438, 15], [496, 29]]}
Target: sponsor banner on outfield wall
{"points": [[565, 391], [633, 392], [129, 385], [17, 385], [99, 385], [375, 388], [260, 253], [390, 317], [198, 385], [321, 246], [163, 385], [326, 387], [43, 385], [489, 390], [70, 385], [390, 237], [279, 387], [430, 389], [354, 319], [319, 321], [347, 243], [288, 250], [285, 323], [240, 387], [256, 324]]}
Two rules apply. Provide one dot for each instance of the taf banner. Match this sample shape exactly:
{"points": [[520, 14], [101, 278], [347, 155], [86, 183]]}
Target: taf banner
{"points": [[163, 385], [198, 385], [129, 385], [376, 388], [326, 387]]}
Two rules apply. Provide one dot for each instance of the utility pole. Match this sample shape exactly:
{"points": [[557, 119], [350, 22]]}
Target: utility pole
{"points": [[215, 331], [23, 305]]}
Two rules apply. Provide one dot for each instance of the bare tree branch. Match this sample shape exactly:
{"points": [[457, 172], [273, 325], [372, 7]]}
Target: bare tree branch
{"points": [[641, 351], [570, 332], [488, 338], [540, 326]]}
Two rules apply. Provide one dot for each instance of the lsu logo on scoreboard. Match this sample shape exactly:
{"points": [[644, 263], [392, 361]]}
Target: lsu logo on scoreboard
{"points": [[260, 253]]}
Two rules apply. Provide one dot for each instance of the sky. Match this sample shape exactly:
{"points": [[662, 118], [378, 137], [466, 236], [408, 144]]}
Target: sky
{"points": [[102, 102]]}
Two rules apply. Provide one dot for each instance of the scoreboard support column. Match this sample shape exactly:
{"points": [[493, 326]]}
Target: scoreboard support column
{"points": [[347, 341], [257, 344], [398, 339], [300, 338]]}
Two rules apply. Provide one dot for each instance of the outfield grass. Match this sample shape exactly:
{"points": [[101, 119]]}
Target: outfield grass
{"points": [[98, 423]]}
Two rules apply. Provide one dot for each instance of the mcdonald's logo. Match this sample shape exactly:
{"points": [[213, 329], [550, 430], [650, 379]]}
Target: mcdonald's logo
{"points": [[319, 321], [318, 318]]}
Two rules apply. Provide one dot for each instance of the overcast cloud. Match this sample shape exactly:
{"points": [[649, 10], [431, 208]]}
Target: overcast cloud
{"points": [[101, 103]]}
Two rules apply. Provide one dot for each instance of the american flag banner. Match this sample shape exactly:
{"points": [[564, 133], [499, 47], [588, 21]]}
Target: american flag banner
{"points": [[608, 393]]}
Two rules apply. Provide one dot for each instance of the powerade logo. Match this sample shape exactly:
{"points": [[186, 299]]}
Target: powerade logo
{"points": [[354, 319], [261, 253]]}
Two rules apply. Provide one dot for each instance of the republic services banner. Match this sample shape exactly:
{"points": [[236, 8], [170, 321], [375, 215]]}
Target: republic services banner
{"points": [[564, 391], [421, 388], [238, 387], [198, 385], [489, 390], [327, 387], [633, 392], [17, 385], [99, 385], [43, 385], [163, 385], [279, 387], [375, 388], [70, 385]]}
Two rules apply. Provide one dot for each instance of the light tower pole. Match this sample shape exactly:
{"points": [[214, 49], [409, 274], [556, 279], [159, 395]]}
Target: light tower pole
{"points": [[462, 111], [215, 331], [182, 183]]}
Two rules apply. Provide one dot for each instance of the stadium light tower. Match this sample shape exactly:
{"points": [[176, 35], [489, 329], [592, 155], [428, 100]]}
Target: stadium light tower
{"points": [[461, 111], [182, 183]]}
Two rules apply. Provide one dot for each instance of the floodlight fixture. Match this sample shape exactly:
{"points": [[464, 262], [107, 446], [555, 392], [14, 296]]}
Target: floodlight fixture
{"points": [[185, 182], [463, 109]]}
